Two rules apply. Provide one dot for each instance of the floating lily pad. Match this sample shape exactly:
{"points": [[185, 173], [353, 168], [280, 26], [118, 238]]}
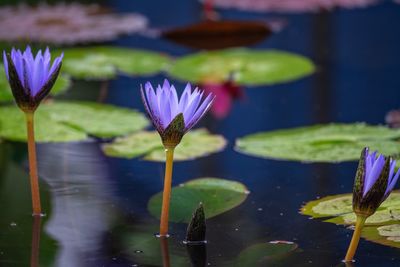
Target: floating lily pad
{"points": [[264, 254], [382, 227], [321, 143], [62, 84], [248, 67], [102, 62], [71, 121], [197, 143], [217, 196], [388, 235]]}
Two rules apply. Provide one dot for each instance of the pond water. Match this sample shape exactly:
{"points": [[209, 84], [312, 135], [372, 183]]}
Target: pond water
{"points": [[97, 206]]}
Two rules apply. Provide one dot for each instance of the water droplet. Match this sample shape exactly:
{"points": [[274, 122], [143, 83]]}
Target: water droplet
{"points": [[281, 214], [260, 209], [236, 229], [138, 251], [13, 224]]}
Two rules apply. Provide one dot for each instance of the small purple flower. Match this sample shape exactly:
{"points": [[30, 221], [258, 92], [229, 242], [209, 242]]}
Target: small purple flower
{"points": [[30, 78], [171, 116], [375, 180]]}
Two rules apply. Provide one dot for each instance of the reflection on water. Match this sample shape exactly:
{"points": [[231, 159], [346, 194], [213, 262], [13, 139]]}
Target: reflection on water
{"points": [[35, 247], [81, 200]]}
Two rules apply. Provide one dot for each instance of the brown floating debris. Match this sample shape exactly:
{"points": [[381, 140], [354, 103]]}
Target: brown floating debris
{"points": [[219, 34]]}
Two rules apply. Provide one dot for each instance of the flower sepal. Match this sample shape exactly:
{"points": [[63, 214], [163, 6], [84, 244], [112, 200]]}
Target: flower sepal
{"points": [[174, 132]]}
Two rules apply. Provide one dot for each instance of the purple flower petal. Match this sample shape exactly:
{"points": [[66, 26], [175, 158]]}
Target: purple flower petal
{"points": [[373, 175], [201, 111], [165, 105]]}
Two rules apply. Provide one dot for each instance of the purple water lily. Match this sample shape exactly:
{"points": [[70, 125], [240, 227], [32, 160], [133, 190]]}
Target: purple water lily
{"points": [[171, 116], [375, 180], [31, 78]]}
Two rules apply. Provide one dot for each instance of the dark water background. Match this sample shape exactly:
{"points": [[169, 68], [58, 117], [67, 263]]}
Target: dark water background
{"points": [[95, 201]]}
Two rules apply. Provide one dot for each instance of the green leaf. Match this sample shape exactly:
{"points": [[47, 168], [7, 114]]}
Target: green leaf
{"points": [[248, 67], [71, 121], [388, 235], [217, 196], [197, 143], [321, 143], [62, 84], [264, 254], [103, 63], [381, 227]]}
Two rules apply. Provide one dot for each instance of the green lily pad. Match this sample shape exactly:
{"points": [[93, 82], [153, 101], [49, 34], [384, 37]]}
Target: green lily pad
{"points": [[248, 67], [102, 62], [388, 235], [321, 143], [62, 84], [197, 143], [71, 121], [264, 254], [381, 227], [217, 196]]}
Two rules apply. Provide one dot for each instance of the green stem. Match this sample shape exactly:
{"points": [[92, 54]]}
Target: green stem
{"points": [[351, 251], [167, 191], [37, 210]]}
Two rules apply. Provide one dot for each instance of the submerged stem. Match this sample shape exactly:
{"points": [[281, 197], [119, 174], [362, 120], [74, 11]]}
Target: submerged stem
{"points": [[35, 241], [165, 251], [355, 239], [167, 191], [37, 210]]}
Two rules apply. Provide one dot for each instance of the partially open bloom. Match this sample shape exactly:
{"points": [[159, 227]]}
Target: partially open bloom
{"points": [[375, 179], [31, 78], [171, 116]]}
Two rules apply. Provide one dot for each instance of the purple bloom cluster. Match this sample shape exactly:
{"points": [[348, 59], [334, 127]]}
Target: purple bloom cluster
{"points": [[31, 77], [164, 107], [375, 180]]}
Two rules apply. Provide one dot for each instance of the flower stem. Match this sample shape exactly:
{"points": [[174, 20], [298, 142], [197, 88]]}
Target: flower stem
{"points": [[35, 241], [355, 239], [167, 191], [165, 251], [37, 210]]}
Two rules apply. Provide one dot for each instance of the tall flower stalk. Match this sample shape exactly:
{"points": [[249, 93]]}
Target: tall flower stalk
{"points": [[173, 117], [374, 181], [31, 79]]}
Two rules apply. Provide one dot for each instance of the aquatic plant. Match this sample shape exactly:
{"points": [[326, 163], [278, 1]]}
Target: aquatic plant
{"points": [[66, 23], [173, 117], [374, 181], [31, 79]]}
